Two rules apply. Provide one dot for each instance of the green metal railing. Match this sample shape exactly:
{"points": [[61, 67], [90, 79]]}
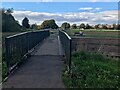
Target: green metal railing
{"points": [[66, 42], [19, 45]]}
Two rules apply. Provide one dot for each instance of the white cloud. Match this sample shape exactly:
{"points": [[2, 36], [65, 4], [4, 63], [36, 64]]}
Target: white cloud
{"points": [[95, 0], [98, 8], [47, 0], [90, 9], [108, 17], [86, 8]]}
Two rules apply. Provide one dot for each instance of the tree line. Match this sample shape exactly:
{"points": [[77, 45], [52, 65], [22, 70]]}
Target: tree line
{"points": [[9, 24], [87, 26], [8, 21]]}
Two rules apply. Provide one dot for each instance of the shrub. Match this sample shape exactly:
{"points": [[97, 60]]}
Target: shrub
{"points": [[92, 70]]}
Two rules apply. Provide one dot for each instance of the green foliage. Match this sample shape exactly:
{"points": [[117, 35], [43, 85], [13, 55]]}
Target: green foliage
{"points": [[34, 26], [9, 24], [82, 25], [88, 26], [65, 25], [9, 11], [74, 26], [104, 26], [102, 33], [118, 27], [97, 26], [49, 24], [4, 69], [92, 70], [114, 26], [25, 23]]}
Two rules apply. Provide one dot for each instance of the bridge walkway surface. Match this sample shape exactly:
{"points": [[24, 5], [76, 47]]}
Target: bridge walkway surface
{"points": [[43, 69]]}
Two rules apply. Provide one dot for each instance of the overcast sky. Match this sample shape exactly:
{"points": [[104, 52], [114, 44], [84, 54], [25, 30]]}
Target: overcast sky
{"points": [[73, 12]]}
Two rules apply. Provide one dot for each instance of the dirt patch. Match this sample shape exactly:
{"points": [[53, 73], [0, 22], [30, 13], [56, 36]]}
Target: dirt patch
{"points": [[109, 46]]}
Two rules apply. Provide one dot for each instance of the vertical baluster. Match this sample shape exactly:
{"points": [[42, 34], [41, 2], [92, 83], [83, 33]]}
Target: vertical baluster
{"points": [[7, 43]]}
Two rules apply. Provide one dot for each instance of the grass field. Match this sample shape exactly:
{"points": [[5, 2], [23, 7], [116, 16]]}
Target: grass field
{"points": [[92, 70], [95, 33]]}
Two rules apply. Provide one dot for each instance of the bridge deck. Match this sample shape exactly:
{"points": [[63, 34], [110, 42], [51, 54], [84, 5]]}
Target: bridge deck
{"points": [[42, 70]]}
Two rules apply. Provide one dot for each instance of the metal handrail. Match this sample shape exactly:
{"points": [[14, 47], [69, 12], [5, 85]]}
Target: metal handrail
{"points": [[66, 42], [20, 44]]}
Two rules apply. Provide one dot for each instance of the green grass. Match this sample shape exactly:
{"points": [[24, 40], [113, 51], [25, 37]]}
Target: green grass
{"points": [[96, 33], [91, 70]]}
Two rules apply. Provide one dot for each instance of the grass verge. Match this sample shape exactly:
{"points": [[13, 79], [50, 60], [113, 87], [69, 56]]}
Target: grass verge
{"points": [[95, 33], [92, 70]]}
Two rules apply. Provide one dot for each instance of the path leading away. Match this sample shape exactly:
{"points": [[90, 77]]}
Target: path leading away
{"points": [[42, 70]]}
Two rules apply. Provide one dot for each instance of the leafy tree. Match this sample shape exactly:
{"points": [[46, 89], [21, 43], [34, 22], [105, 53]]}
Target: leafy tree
{"points": [[34, 26], [65, 25], [9, 11], [118, 26], [9, 24], [82, 25], [97, 26], [114, 26], [25, 23], [104, 26], [68, 26], [74, 26], [49, 24], [88, 26]]}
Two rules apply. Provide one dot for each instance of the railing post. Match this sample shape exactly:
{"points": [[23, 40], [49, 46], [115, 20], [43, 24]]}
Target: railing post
{"points": [[70, 55], [28, 36], [7, 45], [17, 46], [66, 42]]}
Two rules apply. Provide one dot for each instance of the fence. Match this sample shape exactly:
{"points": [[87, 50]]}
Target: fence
{"points": [[66, 43], [19, 45]]}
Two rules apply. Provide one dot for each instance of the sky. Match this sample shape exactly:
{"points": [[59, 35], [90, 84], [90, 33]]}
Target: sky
{"points": [[60, 0], [93, 12]]}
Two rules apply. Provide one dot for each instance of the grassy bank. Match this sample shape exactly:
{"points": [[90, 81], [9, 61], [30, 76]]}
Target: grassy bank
{"points": [[96, 33], [91, 70]]}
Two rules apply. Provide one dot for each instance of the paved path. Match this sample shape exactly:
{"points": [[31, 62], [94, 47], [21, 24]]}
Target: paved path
{"points": [[42, 70]]}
